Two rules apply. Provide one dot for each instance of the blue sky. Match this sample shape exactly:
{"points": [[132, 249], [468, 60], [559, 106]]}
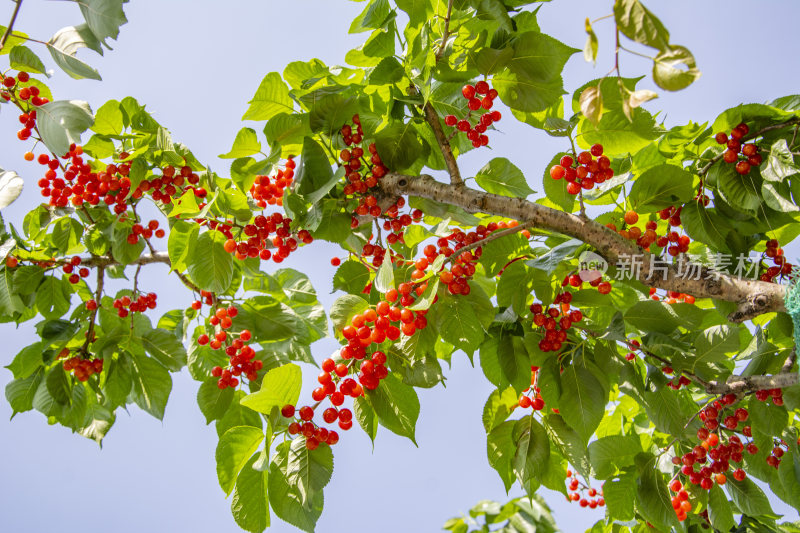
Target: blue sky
{"points": [[196, 64]]}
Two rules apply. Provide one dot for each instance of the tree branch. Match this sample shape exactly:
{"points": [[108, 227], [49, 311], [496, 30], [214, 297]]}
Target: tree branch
{"points": [[742, 384], [752, 297], [10, 28], [446, 32], [444, 145]]}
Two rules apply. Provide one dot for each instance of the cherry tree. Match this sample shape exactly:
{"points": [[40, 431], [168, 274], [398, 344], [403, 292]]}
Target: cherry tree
{"points": [[635, 319]]}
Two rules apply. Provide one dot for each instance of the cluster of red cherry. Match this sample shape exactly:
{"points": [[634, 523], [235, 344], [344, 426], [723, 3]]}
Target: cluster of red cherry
{"points": [[531, 396], [361, 173], [146, 232], [678, 381], [25, 97], [69, 268], [81, 368], [397, 224], [585, 171], [735, 148], [142, 303], [241, 356], [781, 267], [585, 496], [477, 133], [313, 433], [268, 190], [259, 240]]}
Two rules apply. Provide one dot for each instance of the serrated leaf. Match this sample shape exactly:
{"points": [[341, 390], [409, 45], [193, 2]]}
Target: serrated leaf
{"points": [[501, 176], [280, 386], [61, 123], [675, 69], [396, 405], [245, 144], [22, 58], [234, 450], [66, 42], [582, 401], [212, 400], [209, 265], [104, 17], [272, 97]]}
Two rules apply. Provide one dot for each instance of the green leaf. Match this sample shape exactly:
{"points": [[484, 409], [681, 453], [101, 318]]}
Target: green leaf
{"points": [[675, 69], [280, 386], [61, 123], [384, 278], [272, 97], [209, 265], [20, 392], [568, 442], [344, 308], [315, 170], [418, 11], [498, 407], [388, 71], [245, 144], [104, 17], [611, 453], [719, 510], [664, 410], [777, 197], [712, 344], [661, 186], [458, 322], [637, 23], [151, 385], [582, 401], [749, 498], [182, 237], [501, 449], [27, 361], [396, 405], [617, 493], [234, 450], [250, 502], [365, 415], [705, 225], [213, 401], [108, 119], [500, 176], [550, 261], [308, 471], [652, 497], [649, 315], [533, 450], [53, 297], [489, 60], [374, 16], [351, 277], [22, 58], [398, 145], [742, 192], [165, 348], [780, 163], [283, 497], [66, 42], [532, 81]]}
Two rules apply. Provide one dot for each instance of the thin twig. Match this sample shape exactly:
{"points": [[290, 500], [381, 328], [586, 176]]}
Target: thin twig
{"points": [[10, 28], [491, 237], [446, 33], [790, 361], [93, 319]]}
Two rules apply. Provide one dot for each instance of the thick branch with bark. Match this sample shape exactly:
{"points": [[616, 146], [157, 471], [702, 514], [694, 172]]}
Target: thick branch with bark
{"points": [[742, 384], [752, 297]]}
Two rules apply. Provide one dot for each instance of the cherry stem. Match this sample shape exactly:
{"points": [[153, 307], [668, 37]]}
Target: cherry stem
{"points": [[10, 28], [93, 318], [491, 237]]}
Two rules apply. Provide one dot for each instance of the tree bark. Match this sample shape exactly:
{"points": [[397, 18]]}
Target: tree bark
{"points": [[753, 298]]}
